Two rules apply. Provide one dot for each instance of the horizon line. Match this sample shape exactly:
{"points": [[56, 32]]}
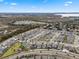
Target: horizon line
{"points": [[45, 12]]}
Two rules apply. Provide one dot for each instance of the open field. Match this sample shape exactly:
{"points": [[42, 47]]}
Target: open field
{"points": [[12, 50]]}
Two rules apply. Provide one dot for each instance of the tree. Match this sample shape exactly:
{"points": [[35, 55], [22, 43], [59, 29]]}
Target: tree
{"points": [[17, 57]]}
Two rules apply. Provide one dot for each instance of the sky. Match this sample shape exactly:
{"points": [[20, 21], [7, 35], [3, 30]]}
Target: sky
{"points": [[42, 6]]}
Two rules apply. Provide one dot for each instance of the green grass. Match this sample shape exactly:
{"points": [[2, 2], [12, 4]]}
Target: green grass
{"points": [[12, 50]]}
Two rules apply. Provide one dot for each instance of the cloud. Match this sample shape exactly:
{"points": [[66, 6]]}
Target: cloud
{"points": [[13, 4], [68, 3], [1, 0], [45, 1], [33, 7]]}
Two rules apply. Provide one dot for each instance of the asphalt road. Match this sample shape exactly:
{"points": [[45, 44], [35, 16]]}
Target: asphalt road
{"points": [[45, 52]]}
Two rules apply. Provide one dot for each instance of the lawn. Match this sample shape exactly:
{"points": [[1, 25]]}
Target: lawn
{"points": [[12, 50]]}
